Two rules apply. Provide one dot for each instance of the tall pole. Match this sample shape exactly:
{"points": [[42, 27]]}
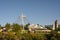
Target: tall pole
{"points": [[22, 22], [22, 19]]}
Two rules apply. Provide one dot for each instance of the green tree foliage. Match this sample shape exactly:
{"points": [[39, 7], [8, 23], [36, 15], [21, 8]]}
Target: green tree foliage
{"points": [[58, 36], [7, 26], [48, 27], [0, 27], [58, 29], [16, 34], [16, 27], [26, 26], [53, 35], [53, 38]]}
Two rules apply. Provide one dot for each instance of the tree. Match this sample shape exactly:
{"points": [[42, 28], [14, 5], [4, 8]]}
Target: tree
{"points": [[26, 26], [7, 26], [16, 27], [58, 36], [48, 27], [0, 27], [53, 35], [53, 38]]}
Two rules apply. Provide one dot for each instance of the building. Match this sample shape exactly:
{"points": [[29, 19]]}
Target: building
{"points": [[56, 24], [34, 28]]}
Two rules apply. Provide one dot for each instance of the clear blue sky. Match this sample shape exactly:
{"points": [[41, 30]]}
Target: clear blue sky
{"points": [[37, 11]]}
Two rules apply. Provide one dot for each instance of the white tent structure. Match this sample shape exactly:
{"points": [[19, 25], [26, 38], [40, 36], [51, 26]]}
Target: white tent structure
{"points": [[35, 27]]}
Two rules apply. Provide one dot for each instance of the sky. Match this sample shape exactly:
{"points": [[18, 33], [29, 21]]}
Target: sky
{"points": [[43, 12]]}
